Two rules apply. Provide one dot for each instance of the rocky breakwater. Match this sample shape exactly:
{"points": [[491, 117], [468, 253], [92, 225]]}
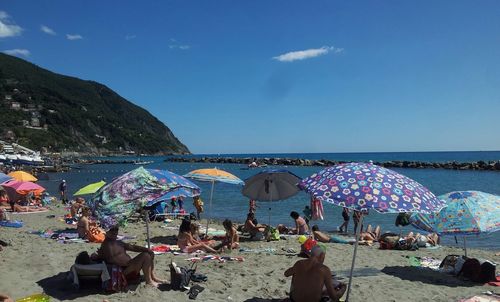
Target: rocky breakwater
{"points": [[452, 165]]}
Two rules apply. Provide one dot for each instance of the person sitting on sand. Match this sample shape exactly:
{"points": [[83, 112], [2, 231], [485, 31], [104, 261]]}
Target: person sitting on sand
{"points": [[4, 199], [195, 232], [300, 224], [114, 251], [256, 232], [231, 241], [88, 229], [312, 280], [76, 206], [187, 243]]}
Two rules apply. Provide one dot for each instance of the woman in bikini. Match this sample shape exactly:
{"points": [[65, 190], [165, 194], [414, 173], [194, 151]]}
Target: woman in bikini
{"points": [[301, 227], [232, 239], [187, 243]]}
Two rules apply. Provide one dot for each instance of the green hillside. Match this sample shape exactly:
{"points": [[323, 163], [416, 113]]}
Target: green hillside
{"points": [[41, 109]]}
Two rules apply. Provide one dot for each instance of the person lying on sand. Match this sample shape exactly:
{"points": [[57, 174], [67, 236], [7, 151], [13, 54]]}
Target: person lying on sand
{"points": [[16, 207], [113, 251], [256, 232], [231, 241], [312, 280], [370, 234], [422, 240], [187, 243]]}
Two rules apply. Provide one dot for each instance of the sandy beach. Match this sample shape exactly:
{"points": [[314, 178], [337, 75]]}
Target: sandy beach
{"points": [[33, 265]]}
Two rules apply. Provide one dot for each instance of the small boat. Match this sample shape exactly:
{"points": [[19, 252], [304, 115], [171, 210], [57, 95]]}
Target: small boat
{"points": [[139, 162]]}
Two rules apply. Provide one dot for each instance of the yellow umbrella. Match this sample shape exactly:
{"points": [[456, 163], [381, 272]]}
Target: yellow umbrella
{"points": [[213, 175], [22, 176], [90, 189]]}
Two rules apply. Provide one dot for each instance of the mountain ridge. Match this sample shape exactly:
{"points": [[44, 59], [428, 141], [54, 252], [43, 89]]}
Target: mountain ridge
{"points": [[42, 109]]}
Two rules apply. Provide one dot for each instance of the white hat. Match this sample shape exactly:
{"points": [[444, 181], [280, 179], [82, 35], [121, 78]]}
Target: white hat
{"points": [[63, 180]]}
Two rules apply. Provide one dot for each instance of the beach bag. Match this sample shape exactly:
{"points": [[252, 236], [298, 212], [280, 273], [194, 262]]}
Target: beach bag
{"points": [[471, 269], [488, 272], [403, 219], [181, 276], [83, 258], [95, 235], [272, 234]]}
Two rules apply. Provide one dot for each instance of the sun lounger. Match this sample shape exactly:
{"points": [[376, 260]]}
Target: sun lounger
{"points": [[81, 272]]}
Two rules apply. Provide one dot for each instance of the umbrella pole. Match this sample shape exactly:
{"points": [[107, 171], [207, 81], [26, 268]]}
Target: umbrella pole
{"points": [[358, 231], [210, 206], [147, 228], [465, 246], [270, 200]]}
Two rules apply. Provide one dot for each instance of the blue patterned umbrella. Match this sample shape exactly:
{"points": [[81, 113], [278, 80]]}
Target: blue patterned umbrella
{"points": [[364, 186], [184, 187], [468, 212]]}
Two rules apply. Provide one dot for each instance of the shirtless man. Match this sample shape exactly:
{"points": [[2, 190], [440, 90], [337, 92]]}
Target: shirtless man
{"points": [[114, 252], [251, 228], [312, 280]]}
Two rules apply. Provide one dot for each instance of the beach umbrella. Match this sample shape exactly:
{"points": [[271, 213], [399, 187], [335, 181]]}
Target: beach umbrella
{"points": [[115, 202], [271, 185], [23, 187], [90, 189], [213, 175], [4, 177], [365, 186], [467, 213], [184, 187], [22, 176]]}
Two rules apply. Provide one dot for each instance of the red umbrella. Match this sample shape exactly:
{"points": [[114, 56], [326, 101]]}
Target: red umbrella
{"points": [[23, 187]]}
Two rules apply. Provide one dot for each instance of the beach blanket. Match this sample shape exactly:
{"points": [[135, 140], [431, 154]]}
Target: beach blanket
{"points": [[221, 259], [164, 248], [427, 262], [266, 250], [482, 298], [11, 223], [34, 212]]}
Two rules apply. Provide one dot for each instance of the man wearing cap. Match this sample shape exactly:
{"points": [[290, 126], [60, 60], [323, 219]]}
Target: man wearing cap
{"points": [[312, 280], [62, 190]]}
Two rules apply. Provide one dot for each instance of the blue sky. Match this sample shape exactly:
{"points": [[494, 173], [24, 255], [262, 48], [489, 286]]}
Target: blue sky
{"points": [[283, 76]]}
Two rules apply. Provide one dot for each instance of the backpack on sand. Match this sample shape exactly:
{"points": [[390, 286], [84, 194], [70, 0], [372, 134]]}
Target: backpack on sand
{"points": [[181, 276]]}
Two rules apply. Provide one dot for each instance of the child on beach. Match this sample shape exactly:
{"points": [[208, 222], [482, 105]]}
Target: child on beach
{"points": [[173, 203], [198, 204], [252, 206], [232, 239]]}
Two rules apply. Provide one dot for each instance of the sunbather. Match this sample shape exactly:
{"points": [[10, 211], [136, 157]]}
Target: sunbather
{"points": [[76, 206], [195, 232], [231, 241], [422, 240], [312, 280], [301, 227], [187, 243], [366, 238], [113, 251], [256, 232], [88, 229]]}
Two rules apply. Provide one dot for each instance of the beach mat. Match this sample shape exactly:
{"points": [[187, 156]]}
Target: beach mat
{"points": [[25, 213]]}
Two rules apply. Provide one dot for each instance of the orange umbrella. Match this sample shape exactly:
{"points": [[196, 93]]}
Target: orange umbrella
{"points": [[22, 176]]}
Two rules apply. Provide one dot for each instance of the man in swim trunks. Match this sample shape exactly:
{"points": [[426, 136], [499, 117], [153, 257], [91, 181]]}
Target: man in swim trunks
{"points": [[114, 252], [312, 280]]}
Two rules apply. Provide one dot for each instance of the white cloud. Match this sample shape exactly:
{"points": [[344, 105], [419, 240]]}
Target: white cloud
{"points": [[73, 37], [130, 37], [47, 30], [176, 45], [307, 54], [18, 52], [7, 27]]}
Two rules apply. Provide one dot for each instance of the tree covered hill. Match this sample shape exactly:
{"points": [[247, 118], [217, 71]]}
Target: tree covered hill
{"points": [[41, 109]]}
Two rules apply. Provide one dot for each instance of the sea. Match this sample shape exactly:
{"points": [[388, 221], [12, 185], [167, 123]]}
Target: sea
{"points": [[228, 202]]}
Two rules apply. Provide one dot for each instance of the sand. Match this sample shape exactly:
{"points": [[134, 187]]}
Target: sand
{"points": [[33, 265]]}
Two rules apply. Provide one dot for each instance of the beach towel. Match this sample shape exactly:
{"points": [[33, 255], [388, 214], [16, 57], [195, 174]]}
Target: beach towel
{"points": [[317, 209], [11, 223], [221, 259], [427, 262], [482, 298], [267, 250], [24, 213]]}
